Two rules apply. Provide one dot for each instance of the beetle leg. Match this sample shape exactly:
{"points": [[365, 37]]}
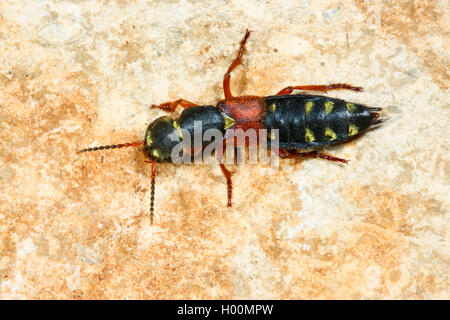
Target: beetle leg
{"points": [[323, 88], [172, 105], [219, 153], [312, 154], [227, 173], [237, 61]]}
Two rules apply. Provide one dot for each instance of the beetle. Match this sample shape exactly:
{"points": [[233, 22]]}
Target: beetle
{"points": [[303, 121]]}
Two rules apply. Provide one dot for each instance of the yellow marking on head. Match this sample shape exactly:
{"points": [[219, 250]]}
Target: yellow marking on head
{"points": [[352, 130], [148, 140], [156, 153], [329, 105], [177, 127], [330, 134], [309, 106], [309, 135], [271, 108], [229, 122], [350, 107]]}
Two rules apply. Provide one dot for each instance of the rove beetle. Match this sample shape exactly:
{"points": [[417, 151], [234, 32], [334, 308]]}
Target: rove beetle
{"points": [[303, 121]]}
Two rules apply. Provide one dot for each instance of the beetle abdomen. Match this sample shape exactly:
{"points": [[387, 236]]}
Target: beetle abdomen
{"points": [[309, 121]]}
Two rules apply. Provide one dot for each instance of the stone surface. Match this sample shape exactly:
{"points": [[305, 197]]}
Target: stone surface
{"points": [[75, 74]]}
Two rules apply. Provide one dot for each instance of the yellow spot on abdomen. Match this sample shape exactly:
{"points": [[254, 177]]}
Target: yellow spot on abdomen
{"points": [[330, 134], [352, 130], [271, 108], [309, 135], [329, 105], [350, 107], [308, 106]]}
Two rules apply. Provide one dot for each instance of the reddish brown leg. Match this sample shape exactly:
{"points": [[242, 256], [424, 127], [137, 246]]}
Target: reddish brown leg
{"points": [[312, 154], [323, 88], [227, 173], [219, 153], [237, 61], [172, 105]]}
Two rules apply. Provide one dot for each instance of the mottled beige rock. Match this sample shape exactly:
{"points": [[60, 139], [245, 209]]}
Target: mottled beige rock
{"points": [[78, 74]]}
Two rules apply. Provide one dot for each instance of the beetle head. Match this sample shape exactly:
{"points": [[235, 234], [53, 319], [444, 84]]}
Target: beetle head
{"points": [[161, 137]]}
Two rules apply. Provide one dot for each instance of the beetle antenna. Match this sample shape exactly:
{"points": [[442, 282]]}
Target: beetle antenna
{"points": [[152, 195], [113, 146]]}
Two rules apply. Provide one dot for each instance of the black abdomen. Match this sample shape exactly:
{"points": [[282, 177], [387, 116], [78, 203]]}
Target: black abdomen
{"points": [[309, 121]]}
